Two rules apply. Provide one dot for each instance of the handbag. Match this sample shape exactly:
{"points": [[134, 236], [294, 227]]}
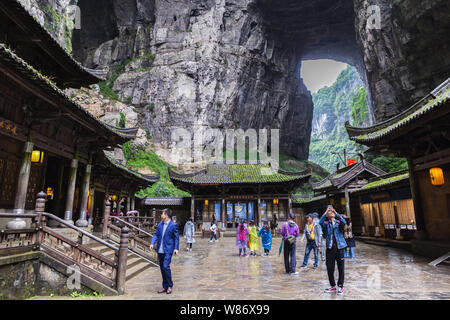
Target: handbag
{"points": [[289, 238]]}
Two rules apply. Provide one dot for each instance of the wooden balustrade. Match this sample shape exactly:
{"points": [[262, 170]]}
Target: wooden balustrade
{"points": [[136, 243]]}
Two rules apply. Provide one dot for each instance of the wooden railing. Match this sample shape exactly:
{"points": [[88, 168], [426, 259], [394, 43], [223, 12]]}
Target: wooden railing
{"points": [[136, 244], [111, 273]]}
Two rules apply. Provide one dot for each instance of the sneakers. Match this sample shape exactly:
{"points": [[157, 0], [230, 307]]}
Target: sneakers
{"points": [[340, 290], [217, 240], [294, 273], [303, 266], [210, 241], [330, 289]]}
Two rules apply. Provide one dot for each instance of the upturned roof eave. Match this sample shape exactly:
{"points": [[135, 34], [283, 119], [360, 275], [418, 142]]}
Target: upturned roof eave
{"points": [[78, 74]]}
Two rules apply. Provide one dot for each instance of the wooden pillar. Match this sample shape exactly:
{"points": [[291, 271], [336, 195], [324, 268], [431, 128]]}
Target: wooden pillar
{"points": [[106, 218], [289, 206], [71, 189], [122, 263], [223, 212], [398, 235], [347, 203], [82, 221], [133, 200], [420, 233], [91, 207], [193, 208], [376, 220], [259, 210], [22, 187]]}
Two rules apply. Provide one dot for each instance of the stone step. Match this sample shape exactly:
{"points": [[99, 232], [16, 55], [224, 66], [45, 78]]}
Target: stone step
{"points": [[135, 270]]}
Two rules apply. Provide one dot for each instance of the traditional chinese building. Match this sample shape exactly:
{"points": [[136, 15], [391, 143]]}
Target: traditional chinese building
{"points": [[230, 192], [387, 208], [422, 135], [49, 142], [338, 186]]}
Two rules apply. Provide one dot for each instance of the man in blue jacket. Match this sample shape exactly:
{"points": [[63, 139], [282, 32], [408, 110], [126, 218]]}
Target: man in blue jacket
{"points": [[168, 239], [333, 226]]}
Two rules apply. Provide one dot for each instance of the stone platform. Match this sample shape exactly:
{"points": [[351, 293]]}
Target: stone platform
{"points": [[215, 271]]}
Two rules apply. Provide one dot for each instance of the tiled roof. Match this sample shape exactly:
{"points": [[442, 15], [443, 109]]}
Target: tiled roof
{"points": [[386, 180], [44, 83], [48, 42], [308, 200], [239, 173], [344, 175], [436, 100], [164, 201]]}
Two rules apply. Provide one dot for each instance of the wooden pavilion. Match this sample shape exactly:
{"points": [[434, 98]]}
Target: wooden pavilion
{"points": [[48, 142], [422, 135], [338, 187], [230, 192]]}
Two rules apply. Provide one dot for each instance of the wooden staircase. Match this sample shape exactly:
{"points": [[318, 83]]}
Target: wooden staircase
{"points": [[135, 265]]}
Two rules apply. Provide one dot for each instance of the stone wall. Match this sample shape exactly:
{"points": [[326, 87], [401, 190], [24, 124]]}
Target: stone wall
{"points": [[23, 276]]}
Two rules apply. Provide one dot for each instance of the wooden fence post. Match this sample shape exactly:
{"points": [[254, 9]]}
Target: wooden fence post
{"points": [[106, 218], [122, 263], [39, 221]]}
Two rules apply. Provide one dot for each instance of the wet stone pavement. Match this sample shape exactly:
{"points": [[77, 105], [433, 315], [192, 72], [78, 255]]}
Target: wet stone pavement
{"points": [[215, 271]]}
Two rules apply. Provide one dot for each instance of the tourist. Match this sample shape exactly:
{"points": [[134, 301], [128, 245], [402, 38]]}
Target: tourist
{"points": [[274, 224], [213, 230], [253, 240], [266, 237], [242, 238], [313, 234], [321, 248], [290, 233], [188, 234], [333, 225], [348, 235], [166, 236]]}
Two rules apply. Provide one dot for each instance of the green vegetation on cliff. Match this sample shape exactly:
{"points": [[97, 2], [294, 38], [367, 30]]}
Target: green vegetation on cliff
{"points": [[140, 159], [345, 100]]}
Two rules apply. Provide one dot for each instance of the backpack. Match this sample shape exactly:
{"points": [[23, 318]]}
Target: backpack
{"points": [[290, 238]]}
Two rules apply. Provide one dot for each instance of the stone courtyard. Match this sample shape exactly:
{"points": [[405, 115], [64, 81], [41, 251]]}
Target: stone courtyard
{"points": [[215, 271]]}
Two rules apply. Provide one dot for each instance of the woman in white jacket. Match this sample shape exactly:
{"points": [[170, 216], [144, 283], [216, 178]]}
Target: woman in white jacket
{"points": [[188, 234]]}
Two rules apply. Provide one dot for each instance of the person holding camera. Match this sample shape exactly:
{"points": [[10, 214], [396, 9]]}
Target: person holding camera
{"points": [[333, 225]]}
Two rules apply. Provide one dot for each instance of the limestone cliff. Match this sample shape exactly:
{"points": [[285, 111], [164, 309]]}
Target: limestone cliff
{"points": [[235, 63]]}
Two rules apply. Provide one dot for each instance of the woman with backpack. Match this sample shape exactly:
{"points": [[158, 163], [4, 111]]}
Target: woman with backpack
{"points": [[290, 232]]}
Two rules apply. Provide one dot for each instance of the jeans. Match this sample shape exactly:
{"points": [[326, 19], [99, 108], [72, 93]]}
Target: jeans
{"points": [[322, 249], [289, 251], [335, 255], [242, 249], [311, 245], [164, 265], [349, 252], [213, 235]]}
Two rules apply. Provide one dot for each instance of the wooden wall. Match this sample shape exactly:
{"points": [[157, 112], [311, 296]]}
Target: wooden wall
{"points": [[435, 204]]}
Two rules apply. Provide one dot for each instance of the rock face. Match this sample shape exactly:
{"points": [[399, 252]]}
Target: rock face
{"points": [[235, 63], [408, 56], [211, 64]]}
